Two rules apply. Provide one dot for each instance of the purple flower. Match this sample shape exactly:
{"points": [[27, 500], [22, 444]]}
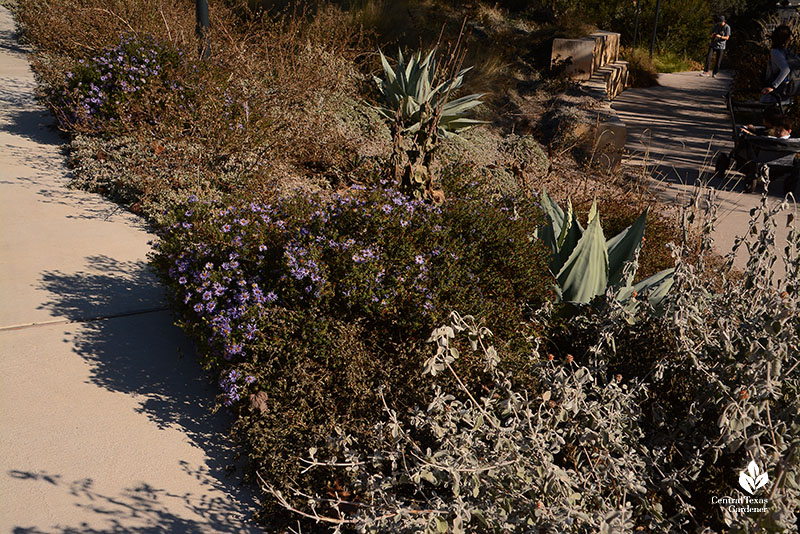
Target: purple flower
{"points": [[182, 280], [226, 228]]}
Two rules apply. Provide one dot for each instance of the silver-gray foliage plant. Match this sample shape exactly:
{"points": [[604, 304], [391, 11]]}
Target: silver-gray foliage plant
{"points": [[581, 454]]}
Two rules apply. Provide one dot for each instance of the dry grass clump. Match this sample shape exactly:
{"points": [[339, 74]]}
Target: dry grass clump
{"points": [[265, 100]]}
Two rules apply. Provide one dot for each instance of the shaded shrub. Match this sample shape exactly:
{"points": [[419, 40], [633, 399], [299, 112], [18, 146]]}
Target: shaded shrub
{"points": [[307, 305], [642, 71], [501, 165]]}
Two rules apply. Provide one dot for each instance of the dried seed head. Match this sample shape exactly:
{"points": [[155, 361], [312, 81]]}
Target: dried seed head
{"points": [[743, 394], [618, 378], [570, 358], [550, 357]]}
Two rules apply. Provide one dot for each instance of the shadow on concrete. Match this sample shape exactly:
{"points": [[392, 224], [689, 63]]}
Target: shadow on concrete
{"points": [[10, 41], [133, 347], [680, 125], [35, 124], [141, 509], [679, 128]]}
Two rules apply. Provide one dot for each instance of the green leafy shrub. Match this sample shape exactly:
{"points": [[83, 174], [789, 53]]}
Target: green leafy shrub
{"points": [[307, 304], [642, 71]]}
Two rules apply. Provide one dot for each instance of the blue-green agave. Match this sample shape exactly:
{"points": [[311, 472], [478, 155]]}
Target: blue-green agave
{"points": [[585, 264], [410, 89]]}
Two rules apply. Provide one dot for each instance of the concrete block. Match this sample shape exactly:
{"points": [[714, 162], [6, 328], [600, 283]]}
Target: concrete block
{"points": [[604, 136], [580, 53], [611, 133]]}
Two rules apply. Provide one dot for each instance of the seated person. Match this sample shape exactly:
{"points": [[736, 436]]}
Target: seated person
{"points": [[778, 69], [776, 125]]}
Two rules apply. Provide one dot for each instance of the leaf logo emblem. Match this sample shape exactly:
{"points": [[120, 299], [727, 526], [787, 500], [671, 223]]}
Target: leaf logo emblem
{"points": [[752, 479]]}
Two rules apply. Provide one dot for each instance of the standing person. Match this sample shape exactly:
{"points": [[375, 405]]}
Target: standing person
{"points": [[778, 70], [719, 37]]}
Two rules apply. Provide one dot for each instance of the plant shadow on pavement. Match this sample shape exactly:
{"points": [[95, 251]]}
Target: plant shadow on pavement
{"points": [[126, 335], [139, 509]]}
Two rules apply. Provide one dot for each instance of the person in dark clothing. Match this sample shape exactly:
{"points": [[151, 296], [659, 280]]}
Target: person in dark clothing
{"points": [[719, 38], [778, 70]]}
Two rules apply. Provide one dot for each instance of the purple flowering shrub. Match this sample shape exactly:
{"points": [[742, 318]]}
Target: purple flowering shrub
{"points": [[307, 305], [112, 86]]}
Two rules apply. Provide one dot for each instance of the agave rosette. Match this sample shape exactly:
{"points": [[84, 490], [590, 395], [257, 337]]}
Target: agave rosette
{"points": [[409, 88], [586, 264]]}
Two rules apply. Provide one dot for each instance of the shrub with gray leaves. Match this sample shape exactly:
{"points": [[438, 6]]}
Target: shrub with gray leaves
{"points": [[591, 451]]}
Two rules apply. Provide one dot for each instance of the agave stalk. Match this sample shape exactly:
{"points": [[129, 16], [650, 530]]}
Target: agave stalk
{"points": [[418, 108]]}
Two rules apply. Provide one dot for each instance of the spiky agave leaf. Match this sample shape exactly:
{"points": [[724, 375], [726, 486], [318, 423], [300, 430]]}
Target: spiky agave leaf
{"points": [[568, 242], [551, 231], [561, 233], [585, 273], [621, 249], [656, 287]]}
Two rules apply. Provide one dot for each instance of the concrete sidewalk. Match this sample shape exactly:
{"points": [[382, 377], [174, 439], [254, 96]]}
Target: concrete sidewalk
{"points": [[104, 413], [675, 131]]}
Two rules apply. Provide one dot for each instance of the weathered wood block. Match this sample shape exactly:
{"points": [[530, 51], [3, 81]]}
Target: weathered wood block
{"points": [[615, 76], [608, 47]]}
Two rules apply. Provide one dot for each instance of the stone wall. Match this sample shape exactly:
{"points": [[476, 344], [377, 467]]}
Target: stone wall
{"points": [[580, 55]]}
